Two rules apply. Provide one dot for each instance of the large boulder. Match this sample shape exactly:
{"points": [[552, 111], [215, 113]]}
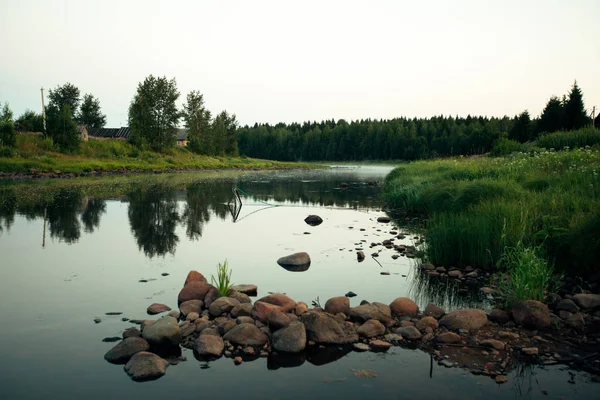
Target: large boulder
{"points": [[191, 306], [434, 311], [209, 346], [468, 318], [427, 322], [250, 290], [409, 332], [222, 305], [125, 349], [261, 310], [365, 312], [246, 334], [157, 308], [295, 262], [211, 295], [370, 329], [340, 304], [277, 320], [286, 303], [194, 276], [403, 306], [587, 301], [448, 337], [145, 366], [242, 310], [290, 339], [531, 314], [195, 290], [165, 331], [313, 220], [325, 328]]}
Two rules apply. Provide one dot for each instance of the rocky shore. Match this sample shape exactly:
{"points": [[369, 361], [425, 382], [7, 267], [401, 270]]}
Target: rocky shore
{"points": [[288, 332]]}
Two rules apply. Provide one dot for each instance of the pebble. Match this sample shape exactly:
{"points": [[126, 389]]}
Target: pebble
{"points": [[238, 360], [97, 320], [501, 379]]}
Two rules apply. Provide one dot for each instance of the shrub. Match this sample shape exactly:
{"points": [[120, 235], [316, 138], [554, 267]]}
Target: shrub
{"points": [[573, 139], [504, 147]]}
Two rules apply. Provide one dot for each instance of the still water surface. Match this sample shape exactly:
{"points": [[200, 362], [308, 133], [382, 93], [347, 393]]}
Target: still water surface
{"points": [[81, 250]]}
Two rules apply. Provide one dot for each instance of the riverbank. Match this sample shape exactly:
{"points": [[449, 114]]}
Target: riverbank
{"points": [[36, 157], [476, 208]]}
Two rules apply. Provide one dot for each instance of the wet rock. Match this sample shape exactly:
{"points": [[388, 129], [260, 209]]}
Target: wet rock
{"points": [[427, 267], [380, 345], [499, 316], [409, 332], [212, 295], [300, 308], [131, 332], [468, 318], [97, 320], [501, 379], [261, 310], [195, 290], [530, 351], [174, 313], [194, 276], [434, 311], [125, 349], [383, 220], [250, 290], [587, 301], [209, 346], [360, 256], [531, 314], [370, 329], [244, 320], [157, 308], [165, 331], [191, 306], [187, 329], [365, 312], [564, 314], [222, 305], [403, 306], [493, 343], [192, 316], [360, 347], [144, 366], [241, 297], [335, 305], [427, 322], [209, 331], [567, 305], [325, 328], [508, 335], [290, 339], [241, 310], [448, 337], [575, 321], [297, 260], [279, 299], [313, 220], [246, 334], [454, 274], [277, 320], [226, 326], [111, 339]]}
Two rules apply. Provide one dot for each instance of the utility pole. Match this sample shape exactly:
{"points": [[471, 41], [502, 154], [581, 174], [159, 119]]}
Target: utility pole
{"points": [[43, 111], [594, 116]]}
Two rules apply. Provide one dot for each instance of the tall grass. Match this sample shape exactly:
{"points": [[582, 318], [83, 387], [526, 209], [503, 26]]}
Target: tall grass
{"points": [[223, 280], [573, 139]]}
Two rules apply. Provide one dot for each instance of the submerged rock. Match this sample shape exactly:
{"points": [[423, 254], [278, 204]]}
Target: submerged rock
{"points": [[144, 366], [157, 308], [123, 351]]}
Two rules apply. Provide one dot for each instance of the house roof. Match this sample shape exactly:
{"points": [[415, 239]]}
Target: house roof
{"points": [[182, 134], [124, 132]]}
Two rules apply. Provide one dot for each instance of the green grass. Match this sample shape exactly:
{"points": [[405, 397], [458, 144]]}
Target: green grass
{"points": [[223, 280], [574, 139], [36, 152], [476, 207]]}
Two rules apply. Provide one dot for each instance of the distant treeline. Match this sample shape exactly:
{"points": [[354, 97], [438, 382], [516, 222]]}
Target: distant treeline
{"points": [[407, 139]]}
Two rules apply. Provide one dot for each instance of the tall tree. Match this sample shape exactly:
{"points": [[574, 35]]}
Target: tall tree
{"points": [[231, 142], [552, 118], [522, 128], [29, 121], [90, 113], [197, 121], [7, 127], [153, 114], [575, 115], [62, 128], [65, 95]]}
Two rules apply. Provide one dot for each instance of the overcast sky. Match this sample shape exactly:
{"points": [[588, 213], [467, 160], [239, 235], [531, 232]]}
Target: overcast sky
{"points": [[284, 61]]}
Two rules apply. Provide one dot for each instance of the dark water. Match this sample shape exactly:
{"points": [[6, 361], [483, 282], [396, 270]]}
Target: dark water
{"points": [[72, 251]]}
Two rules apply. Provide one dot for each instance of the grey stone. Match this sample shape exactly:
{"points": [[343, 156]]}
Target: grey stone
{"points": [[124, 350], [165, 331], [145, 366]]}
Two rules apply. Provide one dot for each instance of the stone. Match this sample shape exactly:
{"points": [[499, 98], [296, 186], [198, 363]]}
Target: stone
{"points": [[222, 305], [335, 305], [241, 297], [468, 318], [360, 347], [409, 332], [365, 312], [175, 314], [237, 360], [290, 339], [567, 305], [187, 329], [587, 301], [313, 220], [360, 256], [383, 220], [124, 350], [448, 337], [508, 335], [195, 290], [277, 320], [157, 308], [427, 267], [370, 329], [209, 346], [501, 379], [208, 331], [244, 320], [194, 276], [531, 314], [250, 290], [499, 316], [454, 274], [434, 311], [493, 344], [296, 260], [212, 295], [226, 326], [427, 322], [380, 345], [144, 366], [404, 306], [325, 328], [564, 314], [279, 299], [131, 332], [241, 310], [191, 306], [393, 337], [530, 351], [261, 310], [246, 334], [300, 308], [192, 316], [576, 321], [165, 331]]}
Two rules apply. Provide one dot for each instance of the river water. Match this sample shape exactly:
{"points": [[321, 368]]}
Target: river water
{"points": [[71, 251]]}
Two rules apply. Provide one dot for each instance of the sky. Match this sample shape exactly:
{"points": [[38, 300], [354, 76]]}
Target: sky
{"points": [[283, 61]]}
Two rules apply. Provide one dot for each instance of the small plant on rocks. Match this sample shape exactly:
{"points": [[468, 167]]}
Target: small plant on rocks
{"points": [[223, 281]]}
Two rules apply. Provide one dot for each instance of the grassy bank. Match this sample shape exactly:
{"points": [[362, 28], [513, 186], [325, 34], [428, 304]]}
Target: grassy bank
{"points": [[478, 207], [35, 152]]}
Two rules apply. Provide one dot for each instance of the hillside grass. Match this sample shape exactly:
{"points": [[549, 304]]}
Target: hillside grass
{"points": [[39, 153], [479, 207]]}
